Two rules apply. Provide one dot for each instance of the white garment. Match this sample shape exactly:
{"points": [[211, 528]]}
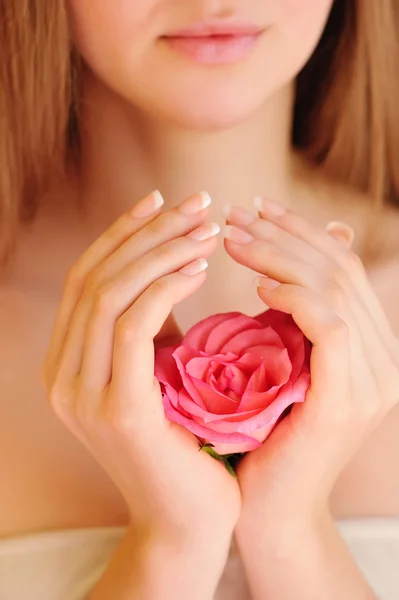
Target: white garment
{"points": [[65, 565]]}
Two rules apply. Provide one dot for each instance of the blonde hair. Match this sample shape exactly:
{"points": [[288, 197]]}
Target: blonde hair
{"points": [[345, 113]]}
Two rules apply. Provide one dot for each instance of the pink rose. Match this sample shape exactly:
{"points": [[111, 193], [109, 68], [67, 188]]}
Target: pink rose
{"points": [[233, 376]]}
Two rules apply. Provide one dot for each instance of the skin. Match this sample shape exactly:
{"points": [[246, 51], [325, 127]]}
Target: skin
{"points": [[205, 115], [354, 386]]}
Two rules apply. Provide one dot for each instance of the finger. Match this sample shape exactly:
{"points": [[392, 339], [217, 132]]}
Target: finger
{"points": [[112, 238], [281, 256], [333, 261], [110, 253], [267, 258], [343, 299], [165, 227], [328, 333], [267, 231], [296, 225], [133, 353], [331, 355], [327, 244], [89, 343], [373, 373], [341, 232]]}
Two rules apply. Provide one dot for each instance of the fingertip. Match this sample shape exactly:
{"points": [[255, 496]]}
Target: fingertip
{"points": [[341, 232], [237, 235], [195, 268], [266, 283]]}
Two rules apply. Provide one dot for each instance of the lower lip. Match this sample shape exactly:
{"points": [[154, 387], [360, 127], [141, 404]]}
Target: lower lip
{"points": [[222, 49]]}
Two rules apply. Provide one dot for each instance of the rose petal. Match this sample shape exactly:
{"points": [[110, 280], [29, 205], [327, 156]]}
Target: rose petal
{"points": [[185, 377], [165, 367], [215, 402], [258, 381], [297, 344], [276, 367], [234, 448], [203, 432], [249, 362], [174, 398], [172, 393], [289, 394], [301, 385], [232, 418], [197, 336], [189, 407], [274, 318], [244, 341], [258, 400], [234, 379], [204, 417], [199, 366], [226, 330], [186, 354], [261, 435]]}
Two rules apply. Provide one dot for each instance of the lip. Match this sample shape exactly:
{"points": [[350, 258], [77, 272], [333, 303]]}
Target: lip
{"points": [[215, 42], [218, 27]]}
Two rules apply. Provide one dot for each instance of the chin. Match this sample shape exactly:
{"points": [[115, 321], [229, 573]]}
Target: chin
{"points": [[210, 120], [207, 111]]}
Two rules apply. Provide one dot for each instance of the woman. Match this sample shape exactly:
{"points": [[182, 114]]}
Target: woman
{"points": [[292, 100]]}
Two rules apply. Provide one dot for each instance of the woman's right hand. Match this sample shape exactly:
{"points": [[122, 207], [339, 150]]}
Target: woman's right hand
{"points": [[99, 370]]}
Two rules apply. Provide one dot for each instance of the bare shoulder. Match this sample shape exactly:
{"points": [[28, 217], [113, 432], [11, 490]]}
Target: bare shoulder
{"points": [[384, 271], [343, 203], [61, 485], [25, 324]]}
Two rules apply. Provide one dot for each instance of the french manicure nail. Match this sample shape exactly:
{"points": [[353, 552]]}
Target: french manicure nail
{"points": [[147, 206], [264, 205], [237, 235], [205, 232], [195, 267], [266, 283], [195, 204]]}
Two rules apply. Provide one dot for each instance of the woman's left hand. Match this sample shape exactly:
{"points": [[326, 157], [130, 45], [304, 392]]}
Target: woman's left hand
{"points": [[314, 276]]}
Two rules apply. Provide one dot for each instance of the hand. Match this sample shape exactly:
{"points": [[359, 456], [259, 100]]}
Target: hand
{"points": [[99, 371], [354, 363]]}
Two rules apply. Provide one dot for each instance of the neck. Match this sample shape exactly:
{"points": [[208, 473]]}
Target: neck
{"points": [[126, 154]]}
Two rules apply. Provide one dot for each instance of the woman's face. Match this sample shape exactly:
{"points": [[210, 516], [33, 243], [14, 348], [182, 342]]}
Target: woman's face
{"points": [[138, 49]]}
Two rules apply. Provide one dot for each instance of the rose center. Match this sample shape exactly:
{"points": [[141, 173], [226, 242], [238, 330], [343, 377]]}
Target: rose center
{"points": [[227, 379]]}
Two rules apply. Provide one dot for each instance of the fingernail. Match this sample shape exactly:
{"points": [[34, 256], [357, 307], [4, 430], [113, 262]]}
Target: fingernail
{"points": [[266, 283], [195, 204], [342, 230], [264, 205], [195, 267], [238, 215], [227, 210], [148, 205], [236, 235], [205, 232]]}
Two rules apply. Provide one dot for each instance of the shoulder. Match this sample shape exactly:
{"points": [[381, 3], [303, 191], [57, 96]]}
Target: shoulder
{"points": [[355, 208], [25, 326], [384, 271], [388, 229]]}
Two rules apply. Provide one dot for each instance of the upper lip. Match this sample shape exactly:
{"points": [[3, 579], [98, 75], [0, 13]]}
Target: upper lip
{"points": [[209, 28]]}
